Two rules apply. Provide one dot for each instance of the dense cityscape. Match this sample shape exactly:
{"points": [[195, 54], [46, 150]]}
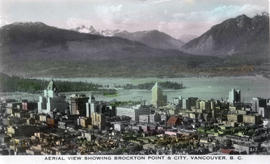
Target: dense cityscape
{"points": [[81, 125]]}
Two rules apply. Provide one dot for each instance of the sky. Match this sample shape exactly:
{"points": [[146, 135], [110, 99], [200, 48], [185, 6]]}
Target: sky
{"points": [[175, 17]]}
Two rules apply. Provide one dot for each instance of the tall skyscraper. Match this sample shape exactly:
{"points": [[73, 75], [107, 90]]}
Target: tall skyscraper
{"points": [[90, 106], [234, 96], [258, 103], [158, 99], [78, 105], [51, 100]]}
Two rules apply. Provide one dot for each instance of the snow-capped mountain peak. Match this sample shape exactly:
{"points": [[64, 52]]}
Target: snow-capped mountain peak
{"points": [[87, 29], [92, 30]]}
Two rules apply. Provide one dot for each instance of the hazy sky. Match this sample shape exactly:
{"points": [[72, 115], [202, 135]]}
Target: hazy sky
{"points": [[176, 17]]}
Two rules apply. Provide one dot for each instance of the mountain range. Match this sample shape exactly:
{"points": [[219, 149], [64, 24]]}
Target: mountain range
{"points": [[237, 35], [236, 46], [38, 40], [152, 38]]}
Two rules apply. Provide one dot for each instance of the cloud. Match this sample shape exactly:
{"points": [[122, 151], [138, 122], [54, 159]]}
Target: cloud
{"points": [[253, 9], [109, 14], [115, 8], [160, 1], [75, 22], [102, 17], [3, 21], [168, 1], [236, 9], [189, 1], [220, 13]]}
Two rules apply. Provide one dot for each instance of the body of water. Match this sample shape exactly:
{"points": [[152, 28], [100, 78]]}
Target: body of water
{"points": [[204, 88]]}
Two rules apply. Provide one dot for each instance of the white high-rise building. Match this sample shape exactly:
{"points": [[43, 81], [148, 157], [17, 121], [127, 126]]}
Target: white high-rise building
{"points": [[158, 99], [51, 100], [90, 106], [234, 96]]}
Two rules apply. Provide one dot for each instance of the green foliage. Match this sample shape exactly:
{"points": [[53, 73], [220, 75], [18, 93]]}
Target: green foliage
{"points": [[109, 92], [149, 85], [14, 83]]}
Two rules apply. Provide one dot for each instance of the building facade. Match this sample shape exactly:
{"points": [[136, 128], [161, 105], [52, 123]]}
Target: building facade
{"points": [[78, 105], [158, 99], [51, 100], [234, 96]]}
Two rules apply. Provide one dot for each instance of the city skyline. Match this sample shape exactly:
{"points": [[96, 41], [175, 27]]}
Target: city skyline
{"points": [[81, 125], [88, 77]]}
